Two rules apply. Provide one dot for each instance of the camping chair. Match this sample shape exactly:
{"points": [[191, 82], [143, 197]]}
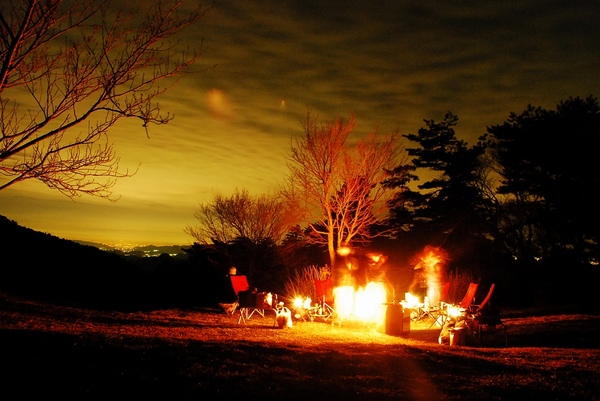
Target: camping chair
{"points": [[489, 323], [487, 320], [459, 312], [477, 308], [249, 301], [456, 317], [324, 291], [438, 312], [441, 312], [469, 296]]}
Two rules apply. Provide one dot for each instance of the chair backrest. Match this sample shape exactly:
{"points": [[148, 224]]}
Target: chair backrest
{"points": [[324, 290], [468, 298], [487, 297], [239, 283]]}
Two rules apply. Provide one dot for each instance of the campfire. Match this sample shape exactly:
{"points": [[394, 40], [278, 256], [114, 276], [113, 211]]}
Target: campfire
{"points": [[410, 301], [364, 304], [367, 304]]}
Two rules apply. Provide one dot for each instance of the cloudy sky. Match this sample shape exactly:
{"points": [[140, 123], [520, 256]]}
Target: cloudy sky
{"points": [[390, 63]]}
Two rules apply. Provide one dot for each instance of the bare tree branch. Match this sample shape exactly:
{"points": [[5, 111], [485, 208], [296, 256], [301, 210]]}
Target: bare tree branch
{"points": [[69, 71], [334, 188], [241, 215]]}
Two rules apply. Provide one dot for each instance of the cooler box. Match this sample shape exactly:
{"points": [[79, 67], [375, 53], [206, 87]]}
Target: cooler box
{"points": [[397, 320]]}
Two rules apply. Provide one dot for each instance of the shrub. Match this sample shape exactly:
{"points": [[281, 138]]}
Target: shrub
{"points": [[302, 282]]}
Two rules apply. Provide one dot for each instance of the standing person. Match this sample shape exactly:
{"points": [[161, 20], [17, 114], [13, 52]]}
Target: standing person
{"points": [[418, 286], [377, 267], [229, 302], [360, 272]]}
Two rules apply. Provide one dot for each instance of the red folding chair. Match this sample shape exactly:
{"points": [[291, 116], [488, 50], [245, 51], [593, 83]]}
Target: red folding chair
{"points": [[249, 301], [324, 291], [469, 296], [487, 320]]}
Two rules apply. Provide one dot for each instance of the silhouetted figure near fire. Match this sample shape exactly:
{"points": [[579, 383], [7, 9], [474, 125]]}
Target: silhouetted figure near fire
{"points": [[377, 267], [360, 272], [354, 269], [418, 286], [342, 272]]}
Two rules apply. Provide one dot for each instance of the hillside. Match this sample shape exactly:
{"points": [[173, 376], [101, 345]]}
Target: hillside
{"points": [[48, 268]]}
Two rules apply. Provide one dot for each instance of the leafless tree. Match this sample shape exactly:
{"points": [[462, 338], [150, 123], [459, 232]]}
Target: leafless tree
{"points": [[335, 186], [69, 71], [241, 215]]}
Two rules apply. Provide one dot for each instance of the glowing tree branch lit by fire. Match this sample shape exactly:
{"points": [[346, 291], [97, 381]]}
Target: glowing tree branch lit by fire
{"points": [[335, 189]]}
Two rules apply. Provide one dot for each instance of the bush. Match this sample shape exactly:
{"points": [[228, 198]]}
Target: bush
{"points": [[302, 282]]}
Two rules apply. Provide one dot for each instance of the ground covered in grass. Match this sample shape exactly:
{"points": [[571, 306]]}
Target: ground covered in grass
{"points": [[71, 353]]}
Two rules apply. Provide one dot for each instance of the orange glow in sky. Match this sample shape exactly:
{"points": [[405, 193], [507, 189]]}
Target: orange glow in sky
{"points": [[391, 64]]}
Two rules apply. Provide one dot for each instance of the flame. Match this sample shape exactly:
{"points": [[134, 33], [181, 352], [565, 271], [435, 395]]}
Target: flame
{"points": [[364, 304], [454, 311], [368, 304], [344, 301], [302, 303], [410, 300], [344, 251]]}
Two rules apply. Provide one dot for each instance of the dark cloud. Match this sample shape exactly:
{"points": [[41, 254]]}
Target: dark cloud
{"points": [[391, 63]]}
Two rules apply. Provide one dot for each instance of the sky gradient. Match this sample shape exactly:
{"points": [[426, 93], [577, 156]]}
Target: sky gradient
{"points": [[263, 63]]}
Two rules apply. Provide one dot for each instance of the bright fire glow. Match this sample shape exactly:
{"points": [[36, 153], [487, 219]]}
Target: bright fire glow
{"points": [[344, 251], [300, 302], [375, 257], [365, 304], [410, 301], [454, 311], [369, 304]]}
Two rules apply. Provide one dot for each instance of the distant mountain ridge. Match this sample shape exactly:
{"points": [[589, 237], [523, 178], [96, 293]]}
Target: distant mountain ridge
{"points": [[43, 266]]}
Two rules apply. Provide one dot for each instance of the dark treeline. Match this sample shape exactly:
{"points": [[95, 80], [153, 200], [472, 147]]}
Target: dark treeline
{"points": [[518, 208]]}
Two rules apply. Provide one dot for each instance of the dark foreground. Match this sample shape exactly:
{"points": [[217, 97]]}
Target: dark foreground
{"points": [[79, 354]]}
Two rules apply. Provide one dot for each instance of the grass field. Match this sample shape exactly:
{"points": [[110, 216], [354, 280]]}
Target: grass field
{"points": [[50, 351]]}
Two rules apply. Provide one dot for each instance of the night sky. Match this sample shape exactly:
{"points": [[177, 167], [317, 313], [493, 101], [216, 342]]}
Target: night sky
{"points": [[263, 63]]}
